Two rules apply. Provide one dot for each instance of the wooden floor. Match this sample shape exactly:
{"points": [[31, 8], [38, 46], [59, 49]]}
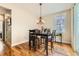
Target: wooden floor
{"points": [[23, 50], [6, 51]]}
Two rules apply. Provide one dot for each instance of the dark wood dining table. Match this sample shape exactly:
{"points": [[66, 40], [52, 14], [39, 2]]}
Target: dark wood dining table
{"points": [[46, 39]]}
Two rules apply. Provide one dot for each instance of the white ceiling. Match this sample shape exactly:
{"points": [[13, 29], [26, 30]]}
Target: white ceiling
{"points": [[47, 8]]}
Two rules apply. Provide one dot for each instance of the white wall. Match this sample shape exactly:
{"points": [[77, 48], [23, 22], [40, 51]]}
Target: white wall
{"points": [[22, 21], [50, 21], [72, 29]]}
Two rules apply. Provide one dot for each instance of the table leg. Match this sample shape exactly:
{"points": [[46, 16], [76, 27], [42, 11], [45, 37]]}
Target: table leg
{"points": [[29, 43], [46, 45]]}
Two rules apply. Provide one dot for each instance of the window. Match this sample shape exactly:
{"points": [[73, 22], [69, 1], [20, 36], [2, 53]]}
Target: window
{"points": [[60, 24]]}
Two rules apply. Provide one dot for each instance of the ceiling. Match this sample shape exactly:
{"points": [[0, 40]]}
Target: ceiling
{"points": [[47, 8]]}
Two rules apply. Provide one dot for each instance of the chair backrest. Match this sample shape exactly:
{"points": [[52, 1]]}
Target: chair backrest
{"points": [[53, 33], [48, 31], [31, 32], [37, 31], [45, 30]]}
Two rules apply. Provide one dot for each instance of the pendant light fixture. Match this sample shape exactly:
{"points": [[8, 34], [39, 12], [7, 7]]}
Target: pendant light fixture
{"points": [[40, 21]]}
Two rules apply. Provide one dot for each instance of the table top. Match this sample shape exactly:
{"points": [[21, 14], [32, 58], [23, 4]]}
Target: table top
{"points": [[42, 34]]}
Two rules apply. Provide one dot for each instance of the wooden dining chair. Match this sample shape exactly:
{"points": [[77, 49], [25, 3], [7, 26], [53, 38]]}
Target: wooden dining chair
{"points": [[32, 40], [54, 35], [42, 39], [51, 39], [38, 39]]}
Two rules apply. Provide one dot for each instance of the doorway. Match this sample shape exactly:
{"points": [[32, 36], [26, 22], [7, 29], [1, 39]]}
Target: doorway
{"points": [[5, 25]]}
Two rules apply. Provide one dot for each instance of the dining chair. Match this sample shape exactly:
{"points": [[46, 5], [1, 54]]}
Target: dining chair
{"points": [[59, 35], [32, 40], [54, 34], [51, 39], [40, 40]]}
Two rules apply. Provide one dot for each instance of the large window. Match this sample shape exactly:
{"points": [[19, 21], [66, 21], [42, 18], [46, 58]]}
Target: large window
{"points": [[60, 24]]}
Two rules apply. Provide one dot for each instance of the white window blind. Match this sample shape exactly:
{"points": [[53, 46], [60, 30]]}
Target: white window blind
{"points": [[60, 24]]}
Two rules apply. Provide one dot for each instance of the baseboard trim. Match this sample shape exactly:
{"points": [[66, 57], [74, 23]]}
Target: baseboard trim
{"points": [[62, 42], [19, 43], [27, 41], [77, 53]]}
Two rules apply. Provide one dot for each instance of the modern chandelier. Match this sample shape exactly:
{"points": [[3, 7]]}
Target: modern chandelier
{"points": [[40, 21]]}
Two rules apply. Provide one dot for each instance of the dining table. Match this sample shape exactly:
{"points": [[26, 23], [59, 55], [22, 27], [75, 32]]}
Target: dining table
{"points": [[46, 39]]}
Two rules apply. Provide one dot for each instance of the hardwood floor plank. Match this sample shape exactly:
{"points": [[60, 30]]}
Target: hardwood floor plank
{"points": [[22, 50]]}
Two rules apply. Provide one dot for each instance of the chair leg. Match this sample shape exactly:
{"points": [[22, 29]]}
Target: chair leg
{"points": [[34, 44], [51, 45], [43, 40], [55, 38], [38, 43], [60, 38], [29, 44]]}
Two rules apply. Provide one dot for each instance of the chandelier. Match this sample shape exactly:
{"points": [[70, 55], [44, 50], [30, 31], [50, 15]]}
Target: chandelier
{"points": [[40, 21]]}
